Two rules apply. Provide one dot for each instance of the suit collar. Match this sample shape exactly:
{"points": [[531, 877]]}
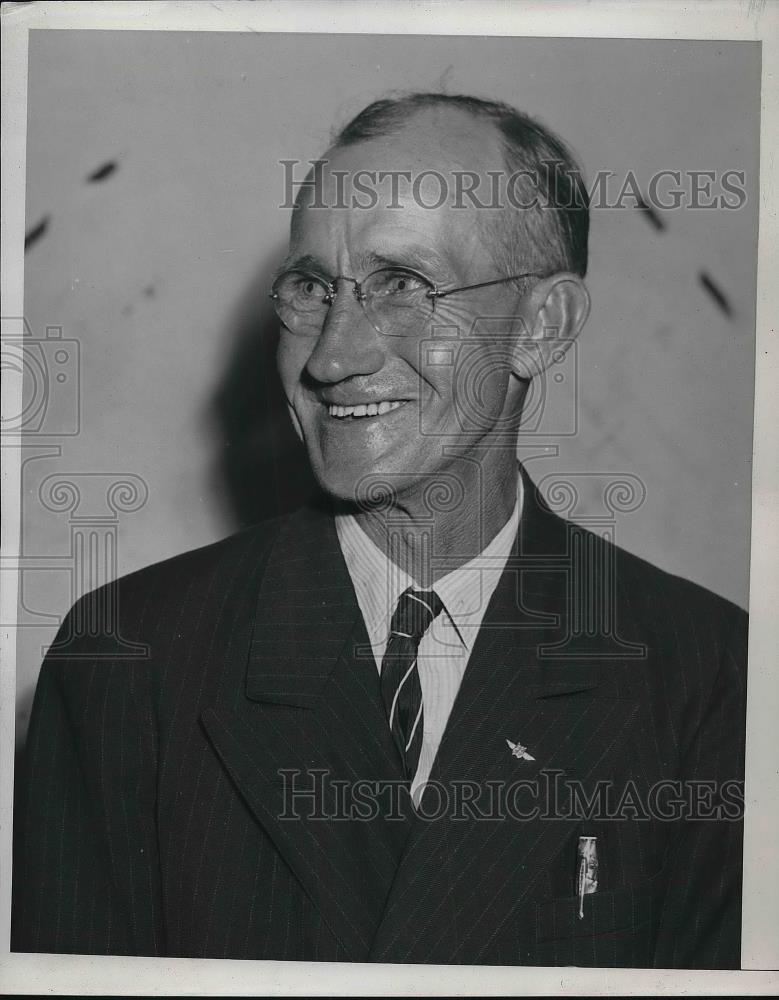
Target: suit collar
{"points": [[465, 591], [306, 611], [307, 606]]}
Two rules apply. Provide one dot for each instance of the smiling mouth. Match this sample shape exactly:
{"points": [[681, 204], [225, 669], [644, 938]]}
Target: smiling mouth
{"points": [[365, 409]]}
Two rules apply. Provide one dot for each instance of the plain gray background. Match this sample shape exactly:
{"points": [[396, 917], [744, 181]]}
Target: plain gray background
{"points": [[159, 271]]}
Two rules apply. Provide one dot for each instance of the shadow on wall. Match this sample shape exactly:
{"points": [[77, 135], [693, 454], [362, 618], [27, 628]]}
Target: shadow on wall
{"points": [[262, 466]]}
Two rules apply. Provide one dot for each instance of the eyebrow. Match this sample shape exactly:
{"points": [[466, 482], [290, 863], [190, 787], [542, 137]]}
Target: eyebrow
{"points": [[306, 262], [419, 258]]}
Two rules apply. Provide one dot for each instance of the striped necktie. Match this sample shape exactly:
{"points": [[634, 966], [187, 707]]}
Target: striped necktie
{"points": [[400, 686]]}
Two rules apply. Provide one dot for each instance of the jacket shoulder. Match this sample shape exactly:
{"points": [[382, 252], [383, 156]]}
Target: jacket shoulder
{"points": [[694, 636], [198, 564], [170, 594], [638, 586], [660, 595]]}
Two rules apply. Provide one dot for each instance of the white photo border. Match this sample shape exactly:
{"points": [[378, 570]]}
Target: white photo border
{"points": [[755, 20]]}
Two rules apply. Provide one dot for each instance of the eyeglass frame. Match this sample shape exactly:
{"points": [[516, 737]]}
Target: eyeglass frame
{"points": [[433, 292]]}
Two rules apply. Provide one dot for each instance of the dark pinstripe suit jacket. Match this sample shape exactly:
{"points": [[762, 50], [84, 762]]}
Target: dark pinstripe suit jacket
{"points": [[151, 808]]}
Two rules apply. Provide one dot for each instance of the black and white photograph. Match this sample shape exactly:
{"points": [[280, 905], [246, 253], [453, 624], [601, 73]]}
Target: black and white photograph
{"points": [[382, 457]]}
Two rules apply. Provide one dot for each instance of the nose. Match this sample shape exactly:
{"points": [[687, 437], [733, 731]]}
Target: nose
{"points": [[348, 345]]}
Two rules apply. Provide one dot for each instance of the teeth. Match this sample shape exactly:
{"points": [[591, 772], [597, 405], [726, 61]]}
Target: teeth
{"points": [[364, 409]]}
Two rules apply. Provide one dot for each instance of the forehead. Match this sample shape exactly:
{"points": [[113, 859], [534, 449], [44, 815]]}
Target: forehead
{"points": [[432, 139], [386, 188]]}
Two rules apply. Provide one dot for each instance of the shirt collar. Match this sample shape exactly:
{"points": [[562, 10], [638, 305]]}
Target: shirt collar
{"points": [[465, 592]]}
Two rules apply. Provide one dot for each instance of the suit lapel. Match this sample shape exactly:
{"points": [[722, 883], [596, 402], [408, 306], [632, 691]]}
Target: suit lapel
{"points": [[312, 718], [461, 879]]}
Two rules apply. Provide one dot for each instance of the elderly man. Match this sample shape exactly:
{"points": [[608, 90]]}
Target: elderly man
{"points": [[380, 729]]}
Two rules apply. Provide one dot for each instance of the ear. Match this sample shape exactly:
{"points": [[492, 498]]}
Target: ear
{"points": [[551, 317]]}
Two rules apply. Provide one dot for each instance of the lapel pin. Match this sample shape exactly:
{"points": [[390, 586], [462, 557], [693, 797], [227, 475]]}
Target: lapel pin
{"points": [[517, 750]]}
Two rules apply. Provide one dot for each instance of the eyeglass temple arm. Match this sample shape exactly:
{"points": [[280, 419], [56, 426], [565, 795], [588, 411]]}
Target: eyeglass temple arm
{"points": [[435, 294]]}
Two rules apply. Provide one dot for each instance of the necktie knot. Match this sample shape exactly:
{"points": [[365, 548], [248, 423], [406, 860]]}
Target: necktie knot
{"points": [[415, 613]]}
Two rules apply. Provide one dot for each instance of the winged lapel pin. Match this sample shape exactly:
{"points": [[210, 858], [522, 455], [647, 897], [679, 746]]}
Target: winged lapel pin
{"points": [[519, 751]]}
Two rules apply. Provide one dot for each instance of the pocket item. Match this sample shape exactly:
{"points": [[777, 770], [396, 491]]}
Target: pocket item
{"points": [[627, 908]]}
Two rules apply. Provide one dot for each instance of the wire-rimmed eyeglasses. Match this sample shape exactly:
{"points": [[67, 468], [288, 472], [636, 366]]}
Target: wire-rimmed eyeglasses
{"points": [[398, 301]]}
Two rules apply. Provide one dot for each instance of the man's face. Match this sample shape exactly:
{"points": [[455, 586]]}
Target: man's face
{"points": [[431, 423]]}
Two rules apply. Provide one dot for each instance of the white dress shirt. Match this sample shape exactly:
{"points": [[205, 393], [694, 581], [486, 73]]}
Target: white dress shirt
{"points": [[446, 647]]}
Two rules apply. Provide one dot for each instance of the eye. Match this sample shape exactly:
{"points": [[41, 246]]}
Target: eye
{"points": [[307, 288], [396, 283], [301, 291]]}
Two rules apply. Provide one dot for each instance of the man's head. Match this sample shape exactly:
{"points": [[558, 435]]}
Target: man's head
{"points": [[394, 192]]}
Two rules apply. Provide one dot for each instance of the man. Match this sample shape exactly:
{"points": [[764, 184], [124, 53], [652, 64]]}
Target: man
{"points": [[423, 719]]}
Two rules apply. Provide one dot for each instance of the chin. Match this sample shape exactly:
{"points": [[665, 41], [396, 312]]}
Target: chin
{"points": [[371, 486], [338, 483]]}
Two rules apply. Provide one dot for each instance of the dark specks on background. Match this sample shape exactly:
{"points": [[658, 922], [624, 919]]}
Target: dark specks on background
{"points": [[709, 285], [102, 172], [38, 230], [651, 215], [149, 292], [720, 298]]}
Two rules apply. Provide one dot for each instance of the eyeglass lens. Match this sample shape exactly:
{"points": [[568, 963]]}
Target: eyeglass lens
{"points": [[396, 302]]}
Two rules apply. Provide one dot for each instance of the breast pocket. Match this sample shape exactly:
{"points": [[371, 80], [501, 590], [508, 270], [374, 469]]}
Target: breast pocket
{"points": [[615, 928]]}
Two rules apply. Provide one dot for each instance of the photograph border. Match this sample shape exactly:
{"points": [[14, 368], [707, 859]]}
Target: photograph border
{"points": [[752, 21]]}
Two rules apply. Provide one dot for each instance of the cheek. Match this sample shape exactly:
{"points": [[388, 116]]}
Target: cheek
{"points": [[469, 376], [291, 358], [488, 383], [469, 355]]}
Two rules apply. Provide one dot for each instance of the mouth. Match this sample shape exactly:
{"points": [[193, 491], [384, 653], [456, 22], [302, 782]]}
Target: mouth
{"points": [[361, 411]]}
